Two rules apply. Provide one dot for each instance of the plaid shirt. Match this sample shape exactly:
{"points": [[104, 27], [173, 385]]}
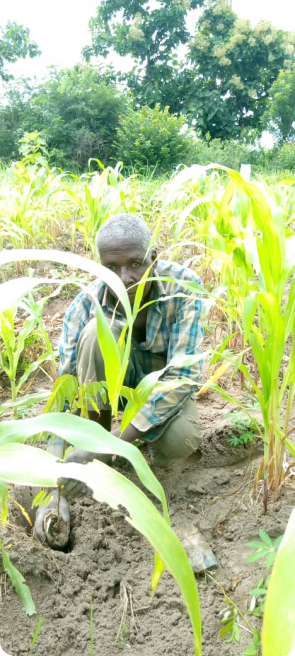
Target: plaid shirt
{"points": [[173, 328]]}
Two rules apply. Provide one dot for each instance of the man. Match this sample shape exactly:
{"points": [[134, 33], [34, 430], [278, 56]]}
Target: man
{"points": [[169, 326]]}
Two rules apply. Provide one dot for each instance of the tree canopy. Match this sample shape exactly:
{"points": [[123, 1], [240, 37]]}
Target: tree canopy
{"points": [[279, 118], [15, 43], [233, 69], [151, 35]]}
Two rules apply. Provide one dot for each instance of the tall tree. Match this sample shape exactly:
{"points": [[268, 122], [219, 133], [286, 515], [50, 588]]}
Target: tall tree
{"points": [[150, 32], [279, 118], [15, 43], [233, 69]]}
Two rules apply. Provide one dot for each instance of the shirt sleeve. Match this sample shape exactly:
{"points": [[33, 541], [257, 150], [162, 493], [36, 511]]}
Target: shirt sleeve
{"points": [[186, 336], [76, 318]]}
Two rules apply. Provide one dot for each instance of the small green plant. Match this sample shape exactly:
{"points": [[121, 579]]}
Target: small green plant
{"points": [[232, 615], [36, 635], [32, 146], [18, 582], [244, 428], [12, 349], [266, 549]]}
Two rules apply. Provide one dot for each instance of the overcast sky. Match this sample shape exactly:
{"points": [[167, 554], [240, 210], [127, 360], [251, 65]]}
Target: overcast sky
{"points": [[60, 27]]}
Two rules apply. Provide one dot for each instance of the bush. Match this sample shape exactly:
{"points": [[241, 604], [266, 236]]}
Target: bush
{"points": [[152, 138], [228, 153], [284, 157]]}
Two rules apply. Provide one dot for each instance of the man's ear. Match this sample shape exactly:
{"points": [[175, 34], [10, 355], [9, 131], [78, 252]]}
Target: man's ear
{"points": [[153, 254]]}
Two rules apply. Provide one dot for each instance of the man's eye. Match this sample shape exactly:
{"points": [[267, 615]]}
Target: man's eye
{"points": [[112, 267], [136, 264]]}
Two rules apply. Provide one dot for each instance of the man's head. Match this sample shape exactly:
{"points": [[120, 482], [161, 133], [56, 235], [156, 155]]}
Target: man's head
{"points": [[122, 243]]}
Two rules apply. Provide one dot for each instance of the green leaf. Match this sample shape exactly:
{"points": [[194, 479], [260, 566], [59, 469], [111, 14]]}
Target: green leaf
{"points": [[65, 388], [26, 401], [250, 307], [257, 556], [36, 634], [265, 538], [111, 356], [25, 465], [253, 649], [70, 259], [83, 434], [41, 499], [290, 446], [18, 583], [3, 502], [278, 634], [255, 545]]}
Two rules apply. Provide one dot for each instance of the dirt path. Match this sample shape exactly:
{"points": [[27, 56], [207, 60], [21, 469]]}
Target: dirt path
{"points": [[112, 565]]}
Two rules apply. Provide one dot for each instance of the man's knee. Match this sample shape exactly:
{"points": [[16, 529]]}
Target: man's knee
{"points": [[183, 435]]}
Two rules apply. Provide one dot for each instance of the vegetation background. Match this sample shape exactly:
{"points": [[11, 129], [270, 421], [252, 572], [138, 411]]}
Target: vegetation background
{"points": [[196, 93]]}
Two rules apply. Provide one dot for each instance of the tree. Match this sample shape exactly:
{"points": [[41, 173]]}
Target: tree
{"points": [[279, 118], [76, 110], [14, 44], [149, 137], [233, 69], [151, 36]]}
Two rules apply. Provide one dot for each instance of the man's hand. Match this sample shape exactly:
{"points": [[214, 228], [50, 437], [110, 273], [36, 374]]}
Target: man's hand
{"points": [[73, 488], [52, 523]]}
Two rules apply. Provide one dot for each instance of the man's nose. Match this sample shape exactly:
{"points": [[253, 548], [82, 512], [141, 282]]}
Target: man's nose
{"points": [[126, 276]]}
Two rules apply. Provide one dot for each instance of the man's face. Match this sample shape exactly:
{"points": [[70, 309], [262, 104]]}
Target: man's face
{"points": [[126, 259]]}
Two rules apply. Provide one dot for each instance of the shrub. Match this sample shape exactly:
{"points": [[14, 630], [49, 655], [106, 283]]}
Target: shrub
{"points": [[228, 153], [153, 138]]}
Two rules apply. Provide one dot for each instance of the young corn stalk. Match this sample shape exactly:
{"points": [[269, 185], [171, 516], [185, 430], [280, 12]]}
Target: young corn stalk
{"points": [[265, 291], [12, 347]]}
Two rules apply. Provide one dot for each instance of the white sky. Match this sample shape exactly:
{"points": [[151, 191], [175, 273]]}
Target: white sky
{"points": [[60, 27]]}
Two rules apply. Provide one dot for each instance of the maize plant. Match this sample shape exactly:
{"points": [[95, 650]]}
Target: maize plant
{"points": [[265, 313]]}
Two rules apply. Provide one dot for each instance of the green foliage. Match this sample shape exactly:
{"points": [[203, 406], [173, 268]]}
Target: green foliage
{"points": [[266, 548], [76, 110], [227, 152], [283, 158], [11, 350], [233, 69], [32, 146], [150, 35], [150, 137], [36, 635], [243, 426], [97, 196], [280, 113], [15, 43]]}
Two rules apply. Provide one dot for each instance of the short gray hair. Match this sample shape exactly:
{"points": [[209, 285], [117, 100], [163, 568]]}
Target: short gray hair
{"points": [[123, 226]]}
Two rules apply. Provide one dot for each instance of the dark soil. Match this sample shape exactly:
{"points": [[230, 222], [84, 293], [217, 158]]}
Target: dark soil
{"points": [[110, 564]]}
